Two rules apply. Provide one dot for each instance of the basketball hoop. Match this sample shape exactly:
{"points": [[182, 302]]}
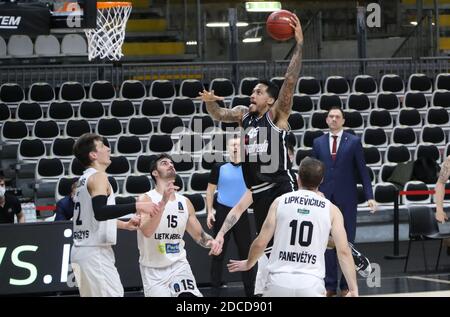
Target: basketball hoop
{"points": [[105, 41]]}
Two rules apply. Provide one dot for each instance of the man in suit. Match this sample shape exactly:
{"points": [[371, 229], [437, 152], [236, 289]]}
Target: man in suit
{"points": [[343, 156]]}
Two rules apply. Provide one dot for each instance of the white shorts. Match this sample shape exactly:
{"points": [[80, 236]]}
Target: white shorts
{"points": [[95, 272], [294, 285], [169, 281], [261, 275]]}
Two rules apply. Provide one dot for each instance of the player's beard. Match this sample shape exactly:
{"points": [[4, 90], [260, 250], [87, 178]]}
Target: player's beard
{"points": [[252, 109]]}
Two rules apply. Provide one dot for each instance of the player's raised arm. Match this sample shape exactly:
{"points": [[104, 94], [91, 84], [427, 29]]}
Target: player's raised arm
{"points": [[283, 106], [218, 113]]}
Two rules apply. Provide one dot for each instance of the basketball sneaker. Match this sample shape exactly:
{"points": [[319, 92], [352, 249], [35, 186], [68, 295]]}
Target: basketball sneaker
{"points": [[362, 264]]}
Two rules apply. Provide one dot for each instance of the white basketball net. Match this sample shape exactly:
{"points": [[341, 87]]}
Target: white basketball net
{"points": [[106, 40]]}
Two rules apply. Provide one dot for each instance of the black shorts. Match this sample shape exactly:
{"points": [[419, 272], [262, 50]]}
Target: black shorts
{"points": [[263, 200]]}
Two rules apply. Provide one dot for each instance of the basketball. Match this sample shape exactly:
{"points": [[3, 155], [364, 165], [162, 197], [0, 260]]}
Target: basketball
{"points": [[278, 27]]}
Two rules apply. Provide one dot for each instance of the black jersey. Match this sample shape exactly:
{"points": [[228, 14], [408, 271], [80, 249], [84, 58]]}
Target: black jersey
{"points": [[266, 160]]}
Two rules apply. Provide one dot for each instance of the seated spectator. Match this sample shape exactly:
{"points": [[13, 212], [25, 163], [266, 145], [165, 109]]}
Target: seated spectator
{"points": [[9, 205], [64, 207]]}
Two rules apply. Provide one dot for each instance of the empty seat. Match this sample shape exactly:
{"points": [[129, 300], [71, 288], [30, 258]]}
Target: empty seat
{"points": [[397, 153], [387, 100], [385, 193], [45, 129], [353, 119], [198, 202], [404, 135], [277, 80], [128, 145], [416, 199], [62, 147], [132, 89], [5, 113], [409, 117], [380, 118], [302, 103], [359, 102], [198, 182], [247, 84], [60, 110], [365, 84], [392, 83], [76, 168], [442, 81], [170, 124], [190, 88], [337, 85], [420, 82], [152, 107], [240, 100], [140, 126], [91, 110], [372, 155], [136, 185], [202, 124], [183, 162], [328, 100], [161, 88], [108, 127], [182, 106], [74, 128], [374, 136], [309, 86], [20, 46], [14, 131], [72, 91], [222, 87], [41, 92], [64, 187], [296, 121], [2, 47], [73, 44], [159, 143], [318, 120], [386, 171], [432, 134], [50, 168], [121, 108], [309, 136], [437, 115], [191, 143], [29, 111], [120, 166], [301, 153], [102, 90], [30, 150], [47, 45], [440, 98], [415, 99], [142, 164], [427, 150], [11, 93]]}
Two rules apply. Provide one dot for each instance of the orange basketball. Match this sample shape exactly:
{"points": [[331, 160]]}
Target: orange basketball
{"points": [[277, 25]]}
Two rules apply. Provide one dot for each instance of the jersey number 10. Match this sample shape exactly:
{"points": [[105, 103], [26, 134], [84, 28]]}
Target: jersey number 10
{"points": [[301, 238]]}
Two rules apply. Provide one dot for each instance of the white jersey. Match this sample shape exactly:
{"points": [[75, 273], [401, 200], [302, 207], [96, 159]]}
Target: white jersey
{"points": [[301, 234], [166, 245], [87, 231]]}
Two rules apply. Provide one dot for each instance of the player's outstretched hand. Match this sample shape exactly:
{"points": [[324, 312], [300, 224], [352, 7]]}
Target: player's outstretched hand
{"points": [[238, 266], [297, 26], [133, 223], [208, 96]]}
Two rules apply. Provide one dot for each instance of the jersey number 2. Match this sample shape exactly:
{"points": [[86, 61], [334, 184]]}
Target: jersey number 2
{"points": [[301, 239], [77, 210]]}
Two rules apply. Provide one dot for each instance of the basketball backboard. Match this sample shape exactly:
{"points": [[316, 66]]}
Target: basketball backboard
{"points": [[73, 14]]}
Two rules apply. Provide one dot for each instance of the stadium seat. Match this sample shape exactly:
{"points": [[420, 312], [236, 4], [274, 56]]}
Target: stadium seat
{"points": [[198, 182], [302, 103], [336, 85], [182, 106], [20, 46], [30, 149], [72, 91], [409, 117], [161, 88], [365, 84], [119, 167], [372, 156], [197, 201], [380, 118], [63, 187], [437, 115], [247, 84], [277, 80], [397, 153], [385, 193], [91, 110], [183, 162], [328, 100], [109, 127], [420, 82], [442, 81], [240, 100], [404, 135], [47, 45], [318, 120], [132, 89], [41, 92], [13, 131], [191, 143], [45, 129], [190, 88], [392, 83], [375, 137], [359, 102], [122, 109], [102, 90], [76, 168], [296, 122], [309, 136], [3, 49], [432, 134], [62, 148], [427, 150], [159, 143], [128, 145], [136, 185], [5, 113], [441, 98], [202, 124], [416, 199], [152, 107], [142, 164], [170, 125], [60, 110], [11, 93], [387, 100], [301, 153], [49, 169], [74, 128], [222, 87], [415, 99], [385, 172], [353, 119], [74, 45], [29, 111], [139, 126]]}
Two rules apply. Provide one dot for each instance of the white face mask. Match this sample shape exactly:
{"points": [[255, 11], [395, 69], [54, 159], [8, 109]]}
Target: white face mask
{"points": [[2, 191]]}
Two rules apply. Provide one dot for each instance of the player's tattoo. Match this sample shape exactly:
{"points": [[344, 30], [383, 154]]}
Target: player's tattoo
{"points": [[445, 172], [225, 115], [204, 239], [229, 222], [284, 101]]}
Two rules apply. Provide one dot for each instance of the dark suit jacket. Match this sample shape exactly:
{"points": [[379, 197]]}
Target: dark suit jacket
{"points": [[340, 178]]}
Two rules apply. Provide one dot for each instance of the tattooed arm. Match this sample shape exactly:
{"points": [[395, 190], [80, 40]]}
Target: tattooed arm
{"points": [[218, 113], [440, 191], [282, 107], [195, 230]]}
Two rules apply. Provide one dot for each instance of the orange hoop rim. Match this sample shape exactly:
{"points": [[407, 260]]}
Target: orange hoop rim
{"points": [[108, 5]]}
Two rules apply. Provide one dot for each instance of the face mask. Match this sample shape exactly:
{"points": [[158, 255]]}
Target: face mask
{"points": [[2, 191]]}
